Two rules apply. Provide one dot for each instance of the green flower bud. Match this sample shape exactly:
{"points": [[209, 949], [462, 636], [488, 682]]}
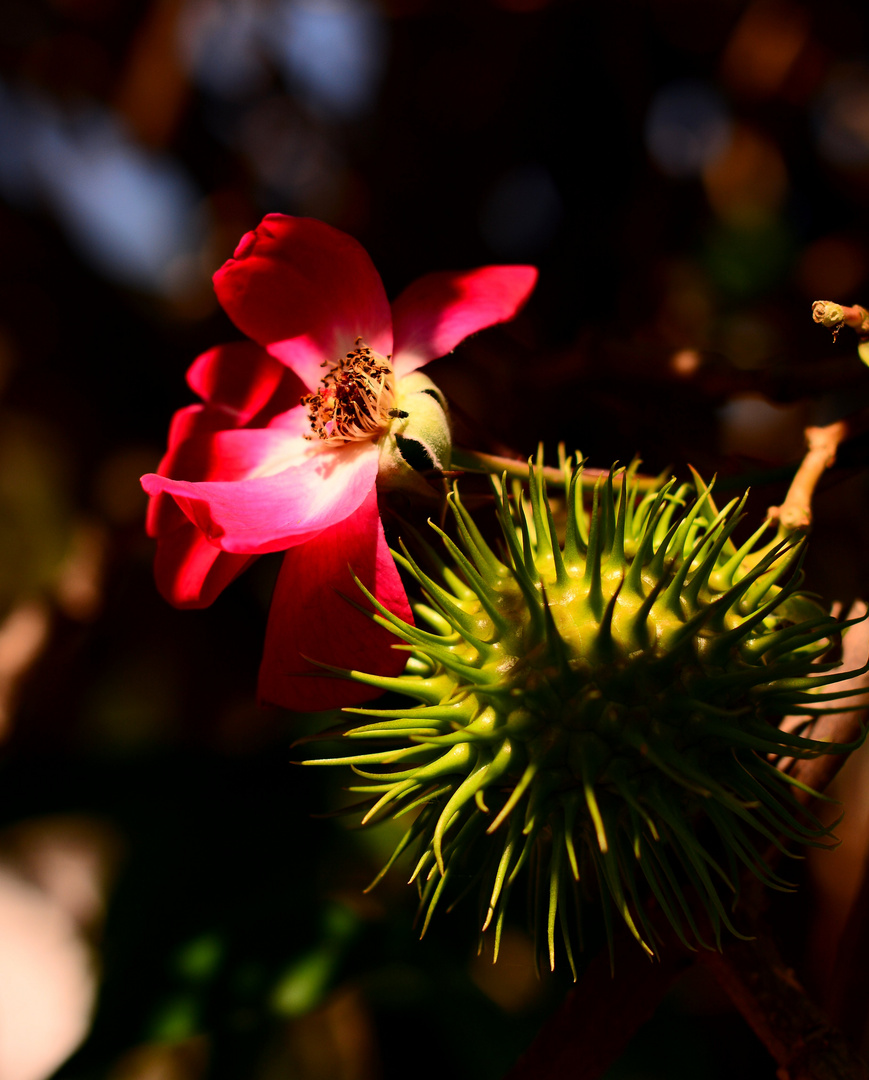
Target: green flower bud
{"points": [[603, 709], [419, 439]]}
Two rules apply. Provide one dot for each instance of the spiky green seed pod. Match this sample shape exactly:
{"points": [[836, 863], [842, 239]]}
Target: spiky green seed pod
{"points": [[604, 708]]}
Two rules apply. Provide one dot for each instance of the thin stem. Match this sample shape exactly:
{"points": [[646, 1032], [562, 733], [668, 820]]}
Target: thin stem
{"points": [[795, 513], [475, 461]]}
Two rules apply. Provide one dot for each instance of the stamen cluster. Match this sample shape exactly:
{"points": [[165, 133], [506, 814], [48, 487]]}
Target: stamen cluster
{"points": [[603, 709], [354, 398]]}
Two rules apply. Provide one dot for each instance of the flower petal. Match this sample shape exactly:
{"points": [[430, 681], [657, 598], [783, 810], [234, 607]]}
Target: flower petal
{"points": [[201, 448], [163, 514], [188, 423], [310, 618], [306, 291], [190, 572], [243, 380], [235, 453], [270, 513], [438, 311]]}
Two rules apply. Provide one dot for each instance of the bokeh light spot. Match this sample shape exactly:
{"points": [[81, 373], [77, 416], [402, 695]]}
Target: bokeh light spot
{"points": [[753, 427], [687, 128], [842, 117], [832, 266], [764, 46], [746, 261], [522, 212], [748, 340], [333, 51], [219, 43], [685, 363], [748, 182], [133, 213]]}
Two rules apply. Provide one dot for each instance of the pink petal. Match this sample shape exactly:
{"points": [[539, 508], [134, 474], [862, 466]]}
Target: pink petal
{"points": [[163, 514], [243, 380], [198, 452], [189, 422], [270, 513], [438, 311], [305, 291], [236, 453], [190, 572], [305, 356], [309, 617]]}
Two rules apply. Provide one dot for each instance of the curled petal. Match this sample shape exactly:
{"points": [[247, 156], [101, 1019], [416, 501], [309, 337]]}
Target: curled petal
{"points": [[305, 291], [190, 572], [438, 311], [270, 513], [201, 448], [188, 423], [310, 617], [236, 453], [163, 514], [245, 382]]}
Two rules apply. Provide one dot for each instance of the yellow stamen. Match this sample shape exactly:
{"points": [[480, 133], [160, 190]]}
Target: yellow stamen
{"points": [[355, 400]]}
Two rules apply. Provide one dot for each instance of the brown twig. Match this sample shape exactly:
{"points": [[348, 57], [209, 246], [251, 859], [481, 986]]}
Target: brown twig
{"points": [[603, 1012], [767, 994], [796, 511]]}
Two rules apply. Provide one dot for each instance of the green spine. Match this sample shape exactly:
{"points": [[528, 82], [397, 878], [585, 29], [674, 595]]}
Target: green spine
{"points": [[603, 707]]}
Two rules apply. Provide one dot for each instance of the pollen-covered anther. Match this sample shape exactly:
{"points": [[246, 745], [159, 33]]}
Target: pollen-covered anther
{"points": [[355, 400]]}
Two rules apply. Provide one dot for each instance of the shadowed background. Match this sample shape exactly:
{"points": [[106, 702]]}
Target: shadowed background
{"points": [[688, 177]]}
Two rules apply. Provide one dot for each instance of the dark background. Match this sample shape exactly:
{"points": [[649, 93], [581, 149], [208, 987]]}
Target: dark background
{"points": [[688, 177]]}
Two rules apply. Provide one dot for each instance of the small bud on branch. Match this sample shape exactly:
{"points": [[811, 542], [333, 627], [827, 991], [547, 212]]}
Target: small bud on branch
{"points": [[834, 316]]}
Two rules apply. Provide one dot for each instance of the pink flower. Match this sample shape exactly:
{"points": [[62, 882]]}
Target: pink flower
{"points": [[285, 451]]}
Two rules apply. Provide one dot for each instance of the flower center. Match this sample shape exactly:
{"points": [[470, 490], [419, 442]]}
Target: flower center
{"points": [[355, 400]]}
